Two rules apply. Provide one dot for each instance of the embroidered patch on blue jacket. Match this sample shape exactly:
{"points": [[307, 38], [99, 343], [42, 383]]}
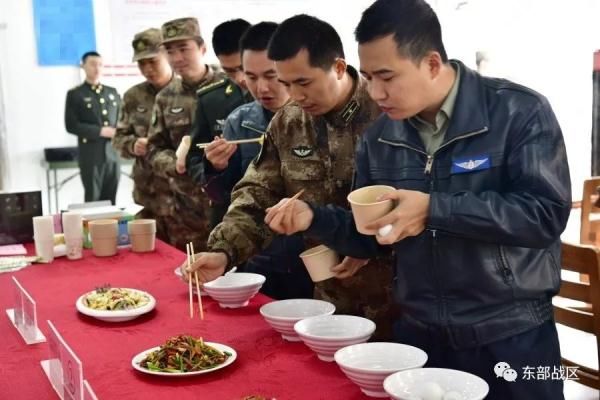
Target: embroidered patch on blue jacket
{"points": [[462, 165]]}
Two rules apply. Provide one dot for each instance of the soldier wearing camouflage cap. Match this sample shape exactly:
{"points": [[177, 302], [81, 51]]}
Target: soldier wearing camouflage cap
{"points": [[173, 117], [149, 190]]}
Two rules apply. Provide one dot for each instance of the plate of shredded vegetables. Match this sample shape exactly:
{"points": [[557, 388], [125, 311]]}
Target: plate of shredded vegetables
{"points": [[115, 304], [184, 355]]}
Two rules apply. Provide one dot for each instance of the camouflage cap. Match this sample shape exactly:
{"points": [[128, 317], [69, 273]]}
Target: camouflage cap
{"points": [[181, 29], [146, 44]]}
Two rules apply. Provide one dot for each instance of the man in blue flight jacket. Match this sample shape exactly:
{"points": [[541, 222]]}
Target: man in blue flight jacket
{"points": [[483, 194]]}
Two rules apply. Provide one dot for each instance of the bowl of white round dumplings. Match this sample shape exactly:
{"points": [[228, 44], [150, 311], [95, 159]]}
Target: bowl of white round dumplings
{"points": [[435, 384]]}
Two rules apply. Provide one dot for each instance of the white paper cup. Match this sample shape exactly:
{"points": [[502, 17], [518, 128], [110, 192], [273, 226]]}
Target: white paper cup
{"points": [[319, 261], [366, 208], [43, 227], [74, 248], [72, 224], [44, 249]]}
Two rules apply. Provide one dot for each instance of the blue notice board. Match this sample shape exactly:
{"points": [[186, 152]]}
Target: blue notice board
{"points": [[64, 30]]}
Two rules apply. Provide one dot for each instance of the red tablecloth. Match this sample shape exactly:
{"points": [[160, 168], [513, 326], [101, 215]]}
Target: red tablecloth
{"points": [[266, 364]]}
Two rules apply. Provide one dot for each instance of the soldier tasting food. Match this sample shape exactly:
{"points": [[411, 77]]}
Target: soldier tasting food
{"points": [[184, 354], [113, 299]]}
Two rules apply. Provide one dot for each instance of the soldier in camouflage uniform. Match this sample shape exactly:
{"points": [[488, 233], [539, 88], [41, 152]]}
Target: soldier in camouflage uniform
{"points": [[310, 145], [216, 101], [149, 190], [172, 119]]}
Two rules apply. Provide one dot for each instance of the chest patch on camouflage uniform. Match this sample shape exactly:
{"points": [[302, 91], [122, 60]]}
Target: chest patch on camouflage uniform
{"points": [[153, 122], [176, 110], [302, 151], [141, 109]]}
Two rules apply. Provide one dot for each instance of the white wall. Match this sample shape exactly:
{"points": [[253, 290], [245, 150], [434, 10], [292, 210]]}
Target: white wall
{"points": [[545, 44], [34, 103]]}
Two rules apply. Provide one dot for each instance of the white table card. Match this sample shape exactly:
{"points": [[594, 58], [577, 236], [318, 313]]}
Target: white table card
{"points": [[63, 369], [88, 393], [23, 315]]}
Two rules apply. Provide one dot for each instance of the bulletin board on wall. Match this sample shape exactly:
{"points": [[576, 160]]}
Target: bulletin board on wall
{"points": [[64, 30]]}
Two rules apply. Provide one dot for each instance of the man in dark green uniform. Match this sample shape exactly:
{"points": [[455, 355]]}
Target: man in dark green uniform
{"points": [[217, 101], [91, 113]]}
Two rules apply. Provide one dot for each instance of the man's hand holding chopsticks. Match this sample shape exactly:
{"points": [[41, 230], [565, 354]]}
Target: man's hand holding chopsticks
{"points": [[209, 266], [289, 216], [218, 152]]}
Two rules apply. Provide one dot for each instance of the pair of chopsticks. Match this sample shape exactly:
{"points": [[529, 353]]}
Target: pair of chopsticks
{"points": [[259, 139], [191, 258]]}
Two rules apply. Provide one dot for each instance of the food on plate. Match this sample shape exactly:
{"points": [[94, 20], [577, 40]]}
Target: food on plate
{"points": [[184, 354], [113, 299]]}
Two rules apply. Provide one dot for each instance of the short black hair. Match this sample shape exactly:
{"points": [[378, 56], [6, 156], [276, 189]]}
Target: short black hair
{"points": [[413, 23], [257, 37], [306, 32], [89, 54], [226, 36]]}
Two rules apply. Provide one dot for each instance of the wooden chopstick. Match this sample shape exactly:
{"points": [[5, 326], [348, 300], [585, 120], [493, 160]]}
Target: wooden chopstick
{"points": [[291, 199], [187, 250], [200, 308], [239, 141]]}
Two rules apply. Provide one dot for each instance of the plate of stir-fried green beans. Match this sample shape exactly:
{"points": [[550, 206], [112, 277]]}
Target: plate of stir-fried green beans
{"points": [[184, 356]]}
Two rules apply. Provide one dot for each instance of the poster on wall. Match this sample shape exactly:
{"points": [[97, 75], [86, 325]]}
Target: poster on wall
{"points": [[64, 30]]}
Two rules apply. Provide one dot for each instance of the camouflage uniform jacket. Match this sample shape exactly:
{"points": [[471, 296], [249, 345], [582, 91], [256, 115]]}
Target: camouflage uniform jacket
{"points": [[300, 152], [172, 118], [316, 154], [151, 191]]}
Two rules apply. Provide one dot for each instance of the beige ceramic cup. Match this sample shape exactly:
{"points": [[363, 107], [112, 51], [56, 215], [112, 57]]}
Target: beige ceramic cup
{"points": [[319, 261], [366, 208], [104, 234], [142, 234]]}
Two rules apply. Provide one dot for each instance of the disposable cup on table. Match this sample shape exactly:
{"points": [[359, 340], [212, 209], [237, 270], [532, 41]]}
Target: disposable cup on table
{"points": [[104, 235], [142, 234]]}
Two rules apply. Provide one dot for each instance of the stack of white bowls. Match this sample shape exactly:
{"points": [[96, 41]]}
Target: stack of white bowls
{"points": [[368, 364], [234, 290], [283, 314], [328, 333]]}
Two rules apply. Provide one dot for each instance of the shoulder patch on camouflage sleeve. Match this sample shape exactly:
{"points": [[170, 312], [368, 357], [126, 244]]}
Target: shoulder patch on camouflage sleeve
{"points": [[261, 154], [210, 87]]}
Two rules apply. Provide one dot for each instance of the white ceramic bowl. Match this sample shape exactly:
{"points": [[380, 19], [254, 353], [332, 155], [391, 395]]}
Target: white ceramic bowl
{"points": [[180, 275], [327, 334], [406, 385], [116, 315], [368, 364], [283, 314], [234, 290]]}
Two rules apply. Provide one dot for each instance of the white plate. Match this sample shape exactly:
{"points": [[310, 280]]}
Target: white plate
{"points": [[116, 315], [178, 273], [135, 362]]}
